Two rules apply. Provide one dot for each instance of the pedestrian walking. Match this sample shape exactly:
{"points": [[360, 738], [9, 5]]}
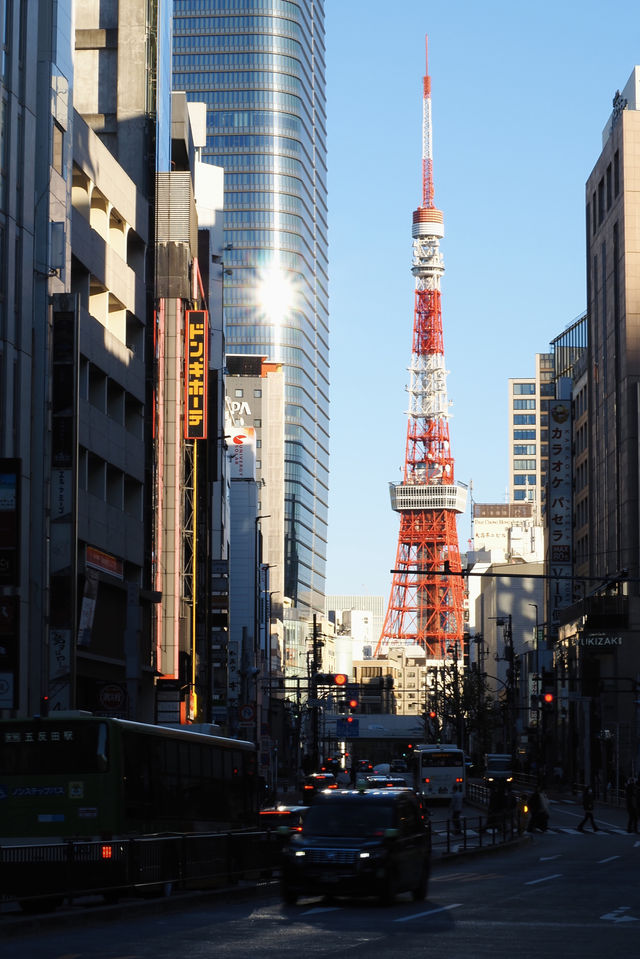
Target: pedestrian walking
{"points": [[631, 796], [456, 809], [587, 805], [539, 809]]}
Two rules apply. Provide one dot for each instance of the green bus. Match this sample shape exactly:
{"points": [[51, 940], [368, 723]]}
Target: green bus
{"points": [[79, 776]]}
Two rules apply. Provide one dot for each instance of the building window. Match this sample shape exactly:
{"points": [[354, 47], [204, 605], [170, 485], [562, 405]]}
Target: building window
{"points": [[520, 479], [238, 393], [524, 404], [600, 201], [524, 419], [525, 450], [257, 394], [257, 423], [519, 494], [524, 389], [616, 173], [609, 187]]}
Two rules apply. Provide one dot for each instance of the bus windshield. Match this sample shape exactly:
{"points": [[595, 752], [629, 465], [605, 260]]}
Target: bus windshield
{"points": [[29, 749]]}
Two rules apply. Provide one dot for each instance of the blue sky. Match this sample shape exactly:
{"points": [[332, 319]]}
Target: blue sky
{"points": [[520, 95]]}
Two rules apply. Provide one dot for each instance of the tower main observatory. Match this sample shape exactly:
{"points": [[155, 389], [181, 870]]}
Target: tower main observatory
{"points": [[426, 603]]}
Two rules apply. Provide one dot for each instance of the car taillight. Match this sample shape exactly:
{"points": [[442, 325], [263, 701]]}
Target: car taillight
{"points": [[458, 779], [332, 786], [307, 787]]}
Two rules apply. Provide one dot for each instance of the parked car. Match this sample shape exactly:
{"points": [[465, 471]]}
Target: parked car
{"points": [[314, 783], [359, 843]]}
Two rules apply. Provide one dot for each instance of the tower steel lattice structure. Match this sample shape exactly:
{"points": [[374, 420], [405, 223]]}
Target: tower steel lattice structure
{"points": [[426, 604]]}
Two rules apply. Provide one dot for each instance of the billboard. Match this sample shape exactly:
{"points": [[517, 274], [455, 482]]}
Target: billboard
{"points": [[196, 374], [560, 507], [242, 452]]}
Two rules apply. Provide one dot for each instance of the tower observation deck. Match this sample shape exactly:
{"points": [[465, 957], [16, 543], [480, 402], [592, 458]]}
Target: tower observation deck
{"points": [[426, 603]]}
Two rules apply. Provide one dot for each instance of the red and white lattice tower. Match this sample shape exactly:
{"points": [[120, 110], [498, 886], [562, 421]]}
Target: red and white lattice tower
{"points": [[426, 604]]}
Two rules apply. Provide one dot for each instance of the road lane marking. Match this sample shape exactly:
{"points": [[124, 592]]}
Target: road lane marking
{"points": [[610, 859], [429, 912], [318, 909], [549, 858], [618, 915], [533, 882]]}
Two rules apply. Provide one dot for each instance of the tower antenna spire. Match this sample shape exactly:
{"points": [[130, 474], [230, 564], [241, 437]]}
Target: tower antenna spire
{"points": [[426, 602], [427, 156]]}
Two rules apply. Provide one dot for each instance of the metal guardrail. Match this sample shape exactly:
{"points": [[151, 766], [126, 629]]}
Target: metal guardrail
{"points": [[42, 877]]}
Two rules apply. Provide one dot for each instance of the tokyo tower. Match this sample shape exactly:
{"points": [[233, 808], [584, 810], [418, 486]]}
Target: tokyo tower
{"points": [[426, 604]]}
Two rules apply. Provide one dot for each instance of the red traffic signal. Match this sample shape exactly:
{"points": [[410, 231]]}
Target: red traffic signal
{"points": [[547, 698], [340, 679]]}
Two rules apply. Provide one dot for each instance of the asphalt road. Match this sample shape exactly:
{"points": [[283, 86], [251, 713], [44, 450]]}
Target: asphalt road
{"points": [[561, 893]]}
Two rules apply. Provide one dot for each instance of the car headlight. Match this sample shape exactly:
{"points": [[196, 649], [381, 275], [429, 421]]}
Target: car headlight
{"points": [[376, 852], [293, 852]]}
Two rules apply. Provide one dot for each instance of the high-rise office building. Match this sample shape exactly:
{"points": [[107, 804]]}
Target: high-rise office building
{"points": [[529, 434], [261, 72]]}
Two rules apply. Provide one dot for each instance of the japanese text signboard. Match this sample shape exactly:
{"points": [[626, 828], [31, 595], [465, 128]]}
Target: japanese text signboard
{"points": [[560, 506], [196, 362]]}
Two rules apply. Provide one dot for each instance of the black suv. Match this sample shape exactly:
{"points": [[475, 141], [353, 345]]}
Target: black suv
{"points": [[359, 843]]}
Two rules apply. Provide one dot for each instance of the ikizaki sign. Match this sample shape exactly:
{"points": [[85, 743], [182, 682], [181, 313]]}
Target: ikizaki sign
{"points": [[195, 356]]}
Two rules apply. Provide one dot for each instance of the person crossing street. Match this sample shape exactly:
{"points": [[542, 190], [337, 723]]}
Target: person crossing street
{"points": [[587, 805]]}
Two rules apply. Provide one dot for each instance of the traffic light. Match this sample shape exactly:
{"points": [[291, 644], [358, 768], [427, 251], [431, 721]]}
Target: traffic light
{"points": [[353, 697], [547, 699], [331, 679]]}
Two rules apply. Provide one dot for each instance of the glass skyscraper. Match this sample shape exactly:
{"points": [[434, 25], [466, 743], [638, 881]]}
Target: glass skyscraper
{"points": [[260, 67]]}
